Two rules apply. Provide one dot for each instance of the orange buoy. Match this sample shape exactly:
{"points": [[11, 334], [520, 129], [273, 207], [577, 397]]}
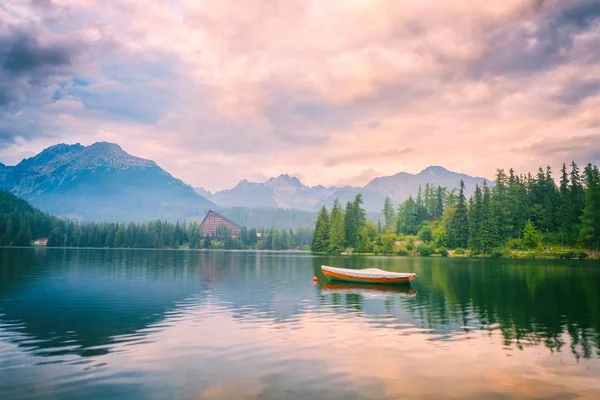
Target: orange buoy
{"points": [[315, 279]]}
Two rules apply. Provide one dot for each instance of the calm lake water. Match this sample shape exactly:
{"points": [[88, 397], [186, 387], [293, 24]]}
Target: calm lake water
{"points": [[133, 324]]}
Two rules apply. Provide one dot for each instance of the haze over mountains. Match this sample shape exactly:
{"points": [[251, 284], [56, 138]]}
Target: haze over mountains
{"points": [[102, 182], [288, 192]]}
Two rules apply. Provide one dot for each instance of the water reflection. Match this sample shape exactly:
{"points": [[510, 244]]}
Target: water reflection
{"points": [[257, 322], [531, 302], [365, 289]]}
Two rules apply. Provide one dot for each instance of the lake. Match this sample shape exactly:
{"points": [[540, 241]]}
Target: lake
{"points": [[153, 324]]}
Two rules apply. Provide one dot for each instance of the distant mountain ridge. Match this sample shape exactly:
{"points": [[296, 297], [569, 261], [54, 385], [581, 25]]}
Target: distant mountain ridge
{"points": [[100, 182], [286, 191]]}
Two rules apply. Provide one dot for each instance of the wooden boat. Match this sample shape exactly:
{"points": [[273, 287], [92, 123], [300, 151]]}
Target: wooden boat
{"points": [[369, 275]]}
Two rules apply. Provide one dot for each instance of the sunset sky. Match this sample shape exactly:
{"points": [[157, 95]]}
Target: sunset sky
{"points": [[331, 91]]}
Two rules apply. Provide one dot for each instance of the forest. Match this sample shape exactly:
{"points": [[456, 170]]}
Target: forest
{"points": [[519, 213], [20, 224]]}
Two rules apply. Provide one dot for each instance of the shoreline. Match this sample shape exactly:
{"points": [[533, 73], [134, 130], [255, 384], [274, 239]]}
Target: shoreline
{"points": [[512, 255]]}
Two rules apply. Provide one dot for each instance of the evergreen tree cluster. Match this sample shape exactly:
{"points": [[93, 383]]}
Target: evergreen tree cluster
{"points": [[519, 212], [20, 224], [161, 235], [342, 228]]}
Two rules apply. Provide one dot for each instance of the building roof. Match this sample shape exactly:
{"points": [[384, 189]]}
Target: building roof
{"points": [[216, 214]]}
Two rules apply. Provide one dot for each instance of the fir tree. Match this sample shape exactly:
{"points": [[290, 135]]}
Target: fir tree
{"points": [[389, 214], [532, 238], [590, 231], [458, 230], [438, 209], [488, 233], [577, 196], [336, 229], [475, 220], [565, 211], [320, 241], [408, 218]]}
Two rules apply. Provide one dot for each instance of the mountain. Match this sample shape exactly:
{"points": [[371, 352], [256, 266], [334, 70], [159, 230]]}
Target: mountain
{"points": [[288, 192], [285, 191], [100, 182], [402, 185], [207, 194]]}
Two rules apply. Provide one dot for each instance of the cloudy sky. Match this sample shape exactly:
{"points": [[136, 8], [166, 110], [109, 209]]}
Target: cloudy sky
{"points": [[332, 91]]}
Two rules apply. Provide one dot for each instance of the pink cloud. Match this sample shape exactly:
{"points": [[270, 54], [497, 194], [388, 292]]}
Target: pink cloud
{"points": [[261, 88]]}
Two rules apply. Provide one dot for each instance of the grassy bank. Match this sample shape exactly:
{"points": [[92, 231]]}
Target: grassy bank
{"points": [[424, 250]]}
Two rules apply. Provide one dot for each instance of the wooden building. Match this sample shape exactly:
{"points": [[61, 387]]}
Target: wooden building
{"points": [[213, 220]]}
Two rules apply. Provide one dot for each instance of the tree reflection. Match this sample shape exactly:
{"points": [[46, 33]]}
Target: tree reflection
{"points": [[531, 303]]}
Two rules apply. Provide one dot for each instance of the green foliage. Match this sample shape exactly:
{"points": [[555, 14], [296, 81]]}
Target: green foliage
{"points": [[458, 227], [410, 243], [354, 219], [389, 214], [425, 250], [459, 251], [365, 245], [496, 254], [441, 238], [21, 223], [515, 244], [407, 219], [336, 229], [443, 251], [388, 241], [590, 232], [403, 251], [320, 241], [425, 233], [532, 238]]}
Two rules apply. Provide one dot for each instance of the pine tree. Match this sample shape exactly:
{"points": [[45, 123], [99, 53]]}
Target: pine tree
{"points": [[23, 237], [365, 244], [488, 233], [577, 197], [252, 237], [354, 218], [349, 224], [458, 231], [336, 229], [408, 218], [389, 214], [501, 208], [320, 241], [590, 231], [422, 214], [438, 209], [532, 238], [7, 237], [565, 210], [475, 220]]}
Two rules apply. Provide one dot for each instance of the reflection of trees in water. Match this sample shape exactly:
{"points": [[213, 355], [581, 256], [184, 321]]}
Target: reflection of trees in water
{"points": [[78, 301], [529, 303]]}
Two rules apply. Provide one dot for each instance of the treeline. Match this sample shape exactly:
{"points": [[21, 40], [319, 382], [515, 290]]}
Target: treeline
{"points": [[161, 234], [20, 224], [519, 212]]}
